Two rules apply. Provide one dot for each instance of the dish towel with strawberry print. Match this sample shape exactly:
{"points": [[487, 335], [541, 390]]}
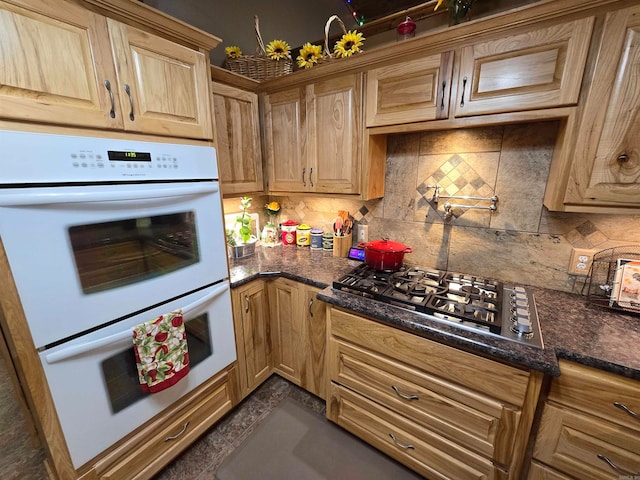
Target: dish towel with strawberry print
{"points": [[162, 356]]}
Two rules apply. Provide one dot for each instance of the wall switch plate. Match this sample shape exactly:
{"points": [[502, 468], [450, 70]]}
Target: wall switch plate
{"points": [[581, 260], [363, 233]]}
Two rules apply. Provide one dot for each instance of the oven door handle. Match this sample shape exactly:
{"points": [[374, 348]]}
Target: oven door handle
{"points": [[55, 196], [81, 348]]}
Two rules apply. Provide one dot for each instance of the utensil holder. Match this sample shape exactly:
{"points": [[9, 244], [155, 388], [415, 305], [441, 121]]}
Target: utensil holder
{"points": [[341, 245]]}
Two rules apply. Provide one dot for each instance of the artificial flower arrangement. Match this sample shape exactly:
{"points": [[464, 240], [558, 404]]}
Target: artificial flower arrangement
{"points": [[348, 45], [270, 236], [269, 62]]}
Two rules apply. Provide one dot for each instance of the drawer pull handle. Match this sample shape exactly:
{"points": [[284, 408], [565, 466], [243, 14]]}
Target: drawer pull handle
{"points": [[622, 471], [310, 305], [402, 445], [112, 112], [623, 407], [246, 299], [404, 395], [128, 90], [173, 437]]}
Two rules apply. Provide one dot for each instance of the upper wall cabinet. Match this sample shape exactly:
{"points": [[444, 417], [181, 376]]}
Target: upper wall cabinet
{"points": [[237, 129], [164, 87], [313, 137], [538, 69], [65, 65], [412, 91], [606, 169]]}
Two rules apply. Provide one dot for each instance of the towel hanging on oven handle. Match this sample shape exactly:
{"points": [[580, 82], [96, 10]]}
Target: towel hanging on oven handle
{"points": [[74, 350]]}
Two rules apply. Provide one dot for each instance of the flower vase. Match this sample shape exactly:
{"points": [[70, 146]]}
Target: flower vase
{"points": [[459, 11]]}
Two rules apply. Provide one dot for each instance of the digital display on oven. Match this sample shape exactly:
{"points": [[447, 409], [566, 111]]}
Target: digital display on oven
{"points": [[118, 156]]}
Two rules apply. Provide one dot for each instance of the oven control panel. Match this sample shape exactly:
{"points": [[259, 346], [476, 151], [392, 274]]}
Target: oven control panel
{"points": [[52, 158]]}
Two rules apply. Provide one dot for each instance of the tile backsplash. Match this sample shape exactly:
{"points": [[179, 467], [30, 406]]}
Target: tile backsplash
{"points": [[520, 242]]}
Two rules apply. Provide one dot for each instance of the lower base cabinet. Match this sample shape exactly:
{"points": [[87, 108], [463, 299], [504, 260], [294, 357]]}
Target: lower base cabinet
{"points": [[149, 449], [445, 413], [589, 429]]}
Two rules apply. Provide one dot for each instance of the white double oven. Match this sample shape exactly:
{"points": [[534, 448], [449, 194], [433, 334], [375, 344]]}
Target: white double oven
{"points": [[101, 235]]}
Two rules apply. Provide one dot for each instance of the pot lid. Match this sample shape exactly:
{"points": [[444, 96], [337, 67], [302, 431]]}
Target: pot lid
{"points": [[290, 223], [386, 245]]}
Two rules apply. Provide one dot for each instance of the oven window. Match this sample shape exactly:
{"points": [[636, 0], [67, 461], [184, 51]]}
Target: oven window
{"points": [[121, 375], [113, 254]]}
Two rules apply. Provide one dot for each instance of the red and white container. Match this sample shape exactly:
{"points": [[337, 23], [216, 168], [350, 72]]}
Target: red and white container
{"points": [[289, 232]]}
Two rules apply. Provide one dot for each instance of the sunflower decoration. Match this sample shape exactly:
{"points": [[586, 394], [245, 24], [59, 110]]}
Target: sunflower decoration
{"points": [[272, 208], [278, 50], [309, 55], [349, 44], [233, 52]]}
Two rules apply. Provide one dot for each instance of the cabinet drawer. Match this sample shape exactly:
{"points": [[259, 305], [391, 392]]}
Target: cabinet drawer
{"points": [[155, 446], [420, 449], [542, 472], [491, 378], [480, 423], [597, 393], [577, 445]]}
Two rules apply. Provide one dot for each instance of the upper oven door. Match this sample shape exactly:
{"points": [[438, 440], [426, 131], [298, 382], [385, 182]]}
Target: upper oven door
{"points": [[84, 256]]}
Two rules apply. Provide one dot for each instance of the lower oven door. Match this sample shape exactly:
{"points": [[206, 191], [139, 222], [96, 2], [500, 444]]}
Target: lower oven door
{"points": [[82, 256], [94, 381]]}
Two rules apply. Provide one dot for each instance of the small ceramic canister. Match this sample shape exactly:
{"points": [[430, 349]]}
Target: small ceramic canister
{"points": [[316, 239], [289, 232], [303, 235]]}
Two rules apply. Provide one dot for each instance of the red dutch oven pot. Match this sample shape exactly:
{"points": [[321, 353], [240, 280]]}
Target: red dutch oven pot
{"points": [[384, 254]]}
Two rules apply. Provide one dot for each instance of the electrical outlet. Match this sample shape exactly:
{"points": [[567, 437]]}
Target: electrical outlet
{"points": [[363, 233], [581, 260]]}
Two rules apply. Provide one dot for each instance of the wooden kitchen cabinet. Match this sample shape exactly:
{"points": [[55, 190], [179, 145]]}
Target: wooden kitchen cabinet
{"points": [[298, 323], [69, 66], [541, 68], [464, 415], [253, 336], [238, 144], [602, 166], [588, 429], [413, 90], [153, 446], [314, 137]]}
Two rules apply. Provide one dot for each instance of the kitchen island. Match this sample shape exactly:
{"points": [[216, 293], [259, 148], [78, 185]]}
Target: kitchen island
{"points": [[571, 329]]}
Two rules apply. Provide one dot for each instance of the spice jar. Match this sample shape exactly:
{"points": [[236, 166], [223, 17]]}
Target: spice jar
{"points": [[289, 232], [327, 241], [316, 239], [303, 235]]}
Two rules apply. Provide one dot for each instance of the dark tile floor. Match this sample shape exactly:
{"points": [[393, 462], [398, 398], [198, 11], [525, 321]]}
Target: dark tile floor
{"points": [[204, 457]]}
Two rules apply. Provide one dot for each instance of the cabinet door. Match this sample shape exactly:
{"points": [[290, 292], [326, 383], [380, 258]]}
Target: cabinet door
{"points": [[251, 319], [314, 342], [237, 139], [411, 91], [55, 62], [334, 131], [163, 87], [286, 328], [615, 176], [285, 134], [538, 69]]}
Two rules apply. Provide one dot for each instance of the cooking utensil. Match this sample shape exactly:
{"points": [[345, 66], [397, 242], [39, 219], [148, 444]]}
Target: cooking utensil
{"points": [[385, 254]]}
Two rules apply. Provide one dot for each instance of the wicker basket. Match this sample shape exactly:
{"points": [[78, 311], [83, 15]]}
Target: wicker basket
{"points": [[327, 56], [259, 67]]}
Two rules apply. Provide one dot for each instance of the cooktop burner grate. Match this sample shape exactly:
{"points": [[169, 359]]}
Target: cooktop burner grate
{"points": [[470, 301]]}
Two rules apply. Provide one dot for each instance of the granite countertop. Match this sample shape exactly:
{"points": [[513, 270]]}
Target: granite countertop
{"points": [[571, 329]]}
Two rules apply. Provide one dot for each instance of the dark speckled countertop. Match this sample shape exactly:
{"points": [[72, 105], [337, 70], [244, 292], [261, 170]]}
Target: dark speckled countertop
{"points": [[571, 329]]}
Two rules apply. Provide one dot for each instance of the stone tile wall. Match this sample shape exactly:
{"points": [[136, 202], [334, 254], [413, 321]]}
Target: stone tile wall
{"points": [[521, 242]]}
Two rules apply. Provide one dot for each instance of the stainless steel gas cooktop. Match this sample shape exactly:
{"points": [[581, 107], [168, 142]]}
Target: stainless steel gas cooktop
{"points": [[471, 302]]}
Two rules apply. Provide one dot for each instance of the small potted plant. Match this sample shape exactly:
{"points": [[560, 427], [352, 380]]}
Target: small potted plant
{"points": [[240, 241]]}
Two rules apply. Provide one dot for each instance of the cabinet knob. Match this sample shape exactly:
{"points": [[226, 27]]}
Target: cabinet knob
{"points": [[623, 158]]}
